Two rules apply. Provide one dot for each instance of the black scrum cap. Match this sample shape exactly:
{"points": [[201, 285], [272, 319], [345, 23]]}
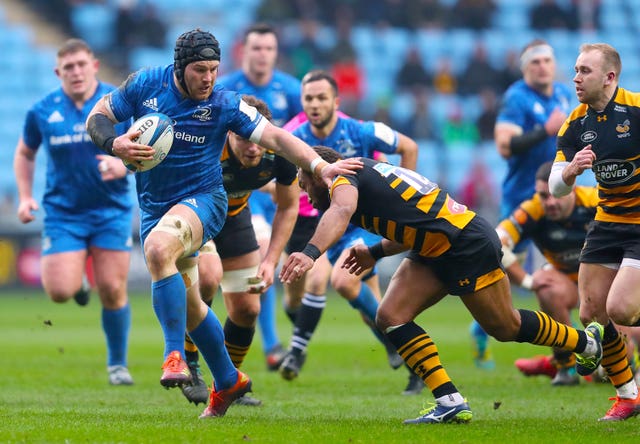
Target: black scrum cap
{"points": [[193, 46]]}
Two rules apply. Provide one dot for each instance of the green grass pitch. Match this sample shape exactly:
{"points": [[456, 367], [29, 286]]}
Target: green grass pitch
{"points": [[54, 387]]}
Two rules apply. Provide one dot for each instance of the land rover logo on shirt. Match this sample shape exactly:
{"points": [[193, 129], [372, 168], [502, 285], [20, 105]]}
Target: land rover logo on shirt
{"points": [[589, 136], [613, 171]]}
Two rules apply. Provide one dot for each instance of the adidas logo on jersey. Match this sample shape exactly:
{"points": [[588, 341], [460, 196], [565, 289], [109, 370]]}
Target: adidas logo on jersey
{"points": [[55, 117], [191, 201], [151, 104]]}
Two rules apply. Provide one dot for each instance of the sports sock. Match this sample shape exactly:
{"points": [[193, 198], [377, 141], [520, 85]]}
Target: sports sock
{"points": [[267, 319], [421, 355], [292, 313], [450, 400], [170, 305], [209, 337], [190, 349], [614, 359], [539, 328], [564, 358], [367, 304], [237, 339], [480, 338], [306, 322], [115, 324]]}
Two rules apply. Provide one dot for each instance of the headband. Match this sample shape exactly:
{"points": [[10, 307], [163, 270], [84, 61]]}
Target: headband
{"points": [[542, 50]]}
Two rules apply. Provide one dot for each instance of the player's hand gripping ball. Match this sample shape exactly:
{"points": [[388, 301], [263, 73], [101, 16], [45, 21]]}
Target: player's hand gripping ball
{"points": [[157, 132]]}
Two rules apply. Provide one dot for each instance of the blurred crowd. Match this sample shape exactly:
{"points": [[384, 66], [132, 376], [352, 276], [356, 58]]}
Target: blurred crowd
{"points": [[303, 25]]}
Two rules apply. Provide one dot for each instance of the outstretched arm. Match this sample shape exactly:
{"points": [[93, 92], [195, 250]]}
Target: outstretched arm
{"points": [[330, 229], [288, 201], [302, 155]]}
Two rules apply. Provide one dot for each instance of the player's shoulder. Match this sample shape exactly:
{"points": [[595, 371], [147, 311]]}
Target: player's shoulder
{"points": [[578, 112], [517, 89], [530, 209], [561, 87], [104, 88], [626, 97], [224, 97], [351, 123], [160, 76], [232, 79], [301, 130], [50, 100], [288, 81]]}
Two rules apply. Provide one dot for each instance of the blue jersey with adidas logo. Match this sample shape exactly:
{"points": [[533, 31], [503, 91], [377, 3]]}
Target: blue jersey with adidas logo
{"points": [[353, 138], [73, 183], [200, 129], [281, 93]]}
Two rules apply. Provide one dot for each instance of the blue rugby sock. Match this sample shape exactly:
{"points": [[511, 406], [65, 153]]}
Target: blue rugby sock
{"points": [[267, 319], [115, 324], [367, 304], [169, 296], [209, 338]]}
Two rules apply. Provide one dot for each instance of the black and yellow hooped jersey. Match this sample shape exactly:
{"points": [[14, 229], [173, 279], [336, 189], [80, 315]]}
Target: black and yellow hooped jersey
{"points": [[239, 181], [405, 207], [559, 241], [615, 138]]}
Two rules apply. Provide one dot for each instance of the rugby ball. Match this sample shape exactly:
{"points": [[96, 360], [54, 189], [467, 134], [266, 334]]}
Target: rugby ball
{"points": [[157, 132]]}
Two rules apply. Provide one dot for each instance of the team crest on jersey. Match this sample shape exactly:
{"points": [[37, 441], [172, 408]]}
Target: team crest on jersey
{"points": [[589, 136], [279, 101], [202, 114], [538, 108], [623, 129], [345, 148]]}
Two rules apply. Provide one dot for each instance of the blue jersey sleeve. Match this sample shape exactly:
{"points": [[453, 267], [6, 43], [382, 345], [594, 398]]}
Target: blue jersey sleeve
{"points": [[123, 99], [512, 110], [243, 119], [377, 136], [31, 134]]}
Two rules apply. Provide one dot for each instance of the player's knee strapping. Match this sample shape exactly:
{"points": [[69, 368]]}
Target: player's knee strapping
{"points": [[237, 281], [176, 226]]}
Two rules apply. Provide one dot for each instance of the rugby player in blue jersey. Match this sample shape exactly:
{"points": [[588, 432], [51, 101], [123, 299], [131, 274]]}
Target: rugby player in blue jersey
{"points": [[182, 200], [84, 214], [233, 257], [352, 138], [532, 111], [281, 92]]}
